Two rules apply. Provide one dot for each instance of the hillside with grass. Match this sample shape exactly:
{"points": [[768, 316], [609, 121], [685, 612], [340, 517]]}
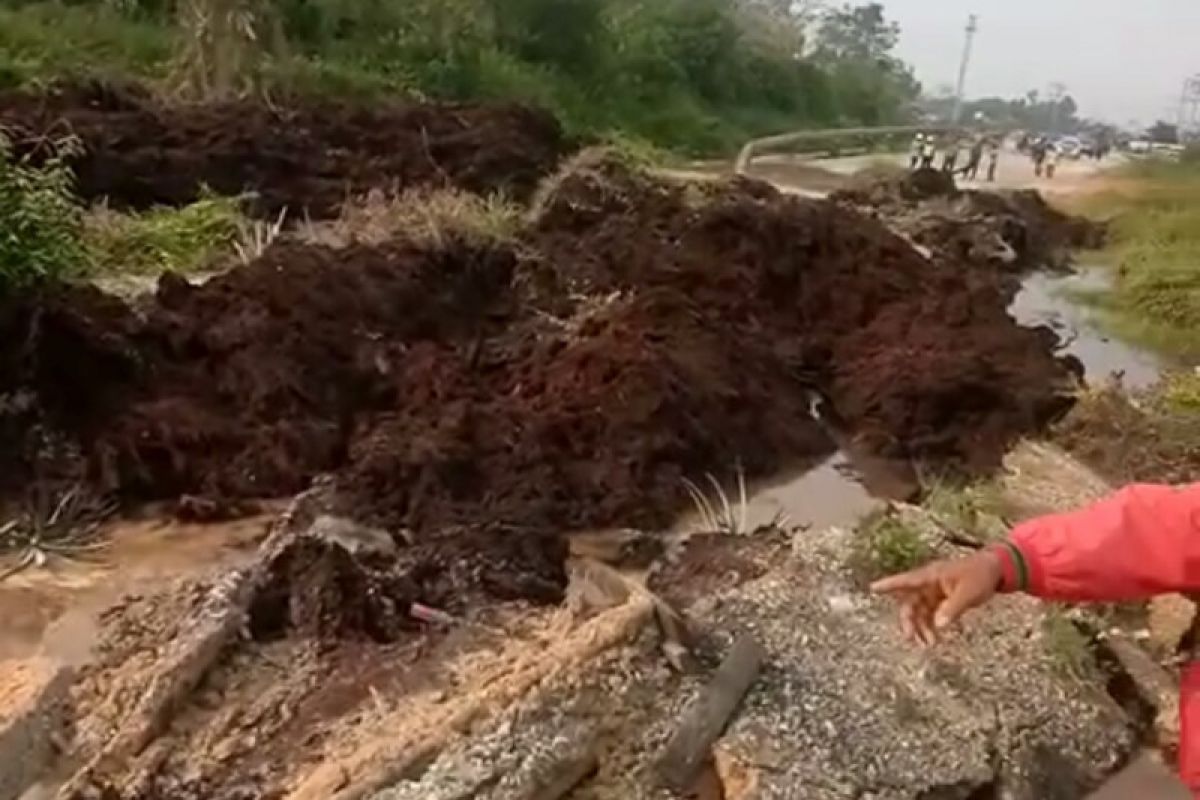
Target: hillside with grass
{"points": [[691, 76], [1154, 253]]}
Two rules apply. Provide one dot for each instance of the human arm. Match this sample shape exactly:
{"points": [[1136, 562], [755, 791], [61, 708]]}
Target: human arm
{"points": [[1142, 541]]}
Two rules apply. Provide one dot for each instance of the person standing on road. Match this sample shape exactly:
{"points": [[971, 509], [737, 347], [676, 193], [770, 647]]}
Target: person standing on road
{"points": [[1140, 542], [1051, 161], [950, 157], [916, 152], [993, 159], [1038, 154], [974, 159], [928, 152]]}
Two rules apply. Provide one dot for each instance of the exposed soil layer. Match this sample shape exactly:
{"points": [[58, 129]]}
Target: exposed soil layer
{"points": [[303, 155], [1133, 437], [486, 400], [1011, 231]]}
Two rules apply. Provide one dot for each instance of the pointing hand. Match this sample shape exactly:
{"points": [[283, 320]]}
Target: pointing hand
{"points": [[935, 596]]}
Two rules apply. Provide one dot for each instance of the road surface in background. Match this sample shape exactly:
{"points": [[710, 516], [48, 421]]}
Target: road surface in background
{"points": [[816, 177]]}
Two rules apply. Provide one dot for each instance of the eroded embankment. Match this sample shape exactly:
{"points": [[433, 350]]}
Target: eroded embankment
{"points": [[488, 397]]}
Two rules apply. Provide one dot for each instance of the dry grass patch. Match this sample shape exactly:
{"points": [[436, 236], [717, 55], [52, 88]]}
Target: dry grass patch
{"points": [[431, 218]]}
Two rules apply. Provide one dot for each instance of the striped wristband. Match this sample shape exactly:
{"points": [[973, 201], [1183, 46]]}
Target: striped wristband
{"points": [[1014, 569]]}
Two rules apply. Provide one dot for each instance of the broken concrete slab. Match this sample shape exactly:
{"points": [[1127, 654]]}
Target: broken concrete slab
{"points": [[844, 708], [33, 693]]}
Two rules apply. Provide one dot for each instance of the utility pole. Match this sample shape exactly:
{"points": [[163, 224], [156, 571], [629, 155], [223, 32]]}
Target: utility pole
{"points": [[1057, 92], [1189, 105], [972, 27]]}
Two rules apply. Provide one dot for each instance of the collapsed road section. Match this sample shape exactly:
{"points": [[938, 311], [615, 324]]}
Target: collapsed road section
{"points": [[448, 407], [632, 335]]}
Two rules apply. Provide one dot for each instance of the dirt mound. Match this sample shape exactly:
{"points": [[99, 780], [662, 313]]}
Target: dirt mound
{"points": [[486, 400], [304, 155], [921, 184], [1010, 231]]}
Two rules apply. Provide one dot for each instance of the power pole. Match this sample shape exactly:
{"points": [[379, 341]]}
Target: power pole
{"points": [[972, 27], [1057, 92], [1189, 105]]}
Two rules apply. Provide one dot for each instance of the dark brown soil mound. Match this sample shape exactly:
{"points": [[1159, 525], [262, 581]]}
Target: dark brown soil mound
{"points": [[492, 397], [306, 156], [1011, 231]]}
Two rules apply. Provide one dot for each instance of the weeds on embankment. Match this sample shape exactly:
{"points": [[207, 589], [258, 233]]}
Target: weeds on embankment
{"points": [[1154, 251], [185, 239], [1149, 436]]}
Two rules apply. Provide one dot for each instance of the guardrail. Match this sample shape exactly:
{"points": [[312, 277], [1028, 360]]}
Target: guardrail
{"points": [[758, 146]]}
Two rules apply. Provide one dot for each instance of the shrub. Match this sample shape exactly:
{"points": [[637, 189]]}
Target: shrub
{"points": [[40, 219], [41, 41], [886, 545]]}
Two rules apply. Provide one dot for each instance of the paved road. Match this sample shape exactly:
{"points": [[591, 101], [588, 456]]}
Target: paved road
{"points": [[1015, 170], [804, 175]]}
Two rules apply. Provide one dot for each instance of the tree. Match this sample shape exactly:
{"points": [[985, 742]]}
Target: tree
{"points": [[1163, 132], [857, 33], [856, 45]]}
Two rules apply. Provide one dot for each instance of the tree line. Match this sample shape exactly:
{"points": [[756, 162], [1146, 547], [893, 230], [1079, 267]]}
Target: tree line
{"points": [[695, 76]]}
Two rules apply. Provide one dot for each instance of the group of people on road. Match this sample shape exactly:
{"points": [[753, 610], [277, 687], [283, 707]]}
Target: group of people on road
{"points": [[980, 151], [1045, 155], [926, 147]]}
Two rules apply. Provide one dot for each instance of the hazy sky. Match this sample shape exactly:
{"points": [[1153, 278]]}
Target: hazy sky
{"points": [[1120, 59]]}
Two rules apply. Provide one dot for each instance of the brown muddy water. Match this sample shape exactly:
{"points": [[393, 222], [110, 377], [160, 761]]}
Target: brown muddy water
{"points": [[1047, 299]]}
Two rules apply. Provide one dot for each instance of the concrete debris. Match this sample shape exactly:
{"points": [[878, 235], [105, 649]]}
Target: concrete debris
{"points": [[33, 720], [705, 720]]}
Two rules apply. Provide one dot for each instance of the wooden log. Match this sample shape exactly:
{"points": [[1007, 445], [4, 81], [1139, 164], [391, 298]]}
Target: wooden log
{"points": [[705, 720]]}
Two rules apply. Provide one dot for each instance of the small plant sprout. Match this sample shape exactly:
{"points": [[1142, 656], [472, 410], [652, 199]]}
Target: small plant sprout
{"points": [[256, 236], [67, 527], [718, 515]]}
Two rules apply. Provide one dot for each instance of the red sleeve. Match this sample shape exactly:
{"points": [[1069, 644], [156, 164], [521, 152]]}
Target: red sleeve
{"points": [[1189, 729], [1141, 541]]}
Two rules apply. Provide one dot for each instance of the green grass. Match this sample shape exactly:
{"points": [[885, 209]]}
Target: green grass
{"points": [[676, 73], [186, 239], [884, 545], [1068, 647], [45, 41], [976, 511], [1154, 251], [40, 220]]}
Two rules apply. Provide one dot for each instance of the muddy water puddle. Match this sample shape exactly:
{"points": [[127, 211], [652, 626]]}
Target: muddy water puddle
{"points": [[832, 493], [54, 610], [843, 489], [1047, 299]]}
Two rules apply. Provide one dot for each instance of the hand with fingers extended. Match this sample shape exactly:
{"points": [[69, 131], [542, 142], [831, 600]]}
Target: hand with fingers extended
{"points": [[935, 596]]}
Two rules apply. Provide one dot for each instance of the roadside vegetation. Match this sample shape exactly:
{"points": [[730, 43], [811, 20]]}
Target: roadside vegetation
{"points": [[694, 76], [47, 234], [887, 544], [41, 221], [1149, 436], [1154, 253], [161, 240]]}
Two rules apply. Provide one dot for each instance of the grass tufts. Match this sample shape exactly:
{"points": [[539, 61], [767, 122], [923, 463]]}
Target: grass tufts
{"points": [[1148, 436], [885, 545], [1154, 249], [977, 512], [719, 515], [431, 218], [183, 240], [54, 525], [1068, 647]]}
